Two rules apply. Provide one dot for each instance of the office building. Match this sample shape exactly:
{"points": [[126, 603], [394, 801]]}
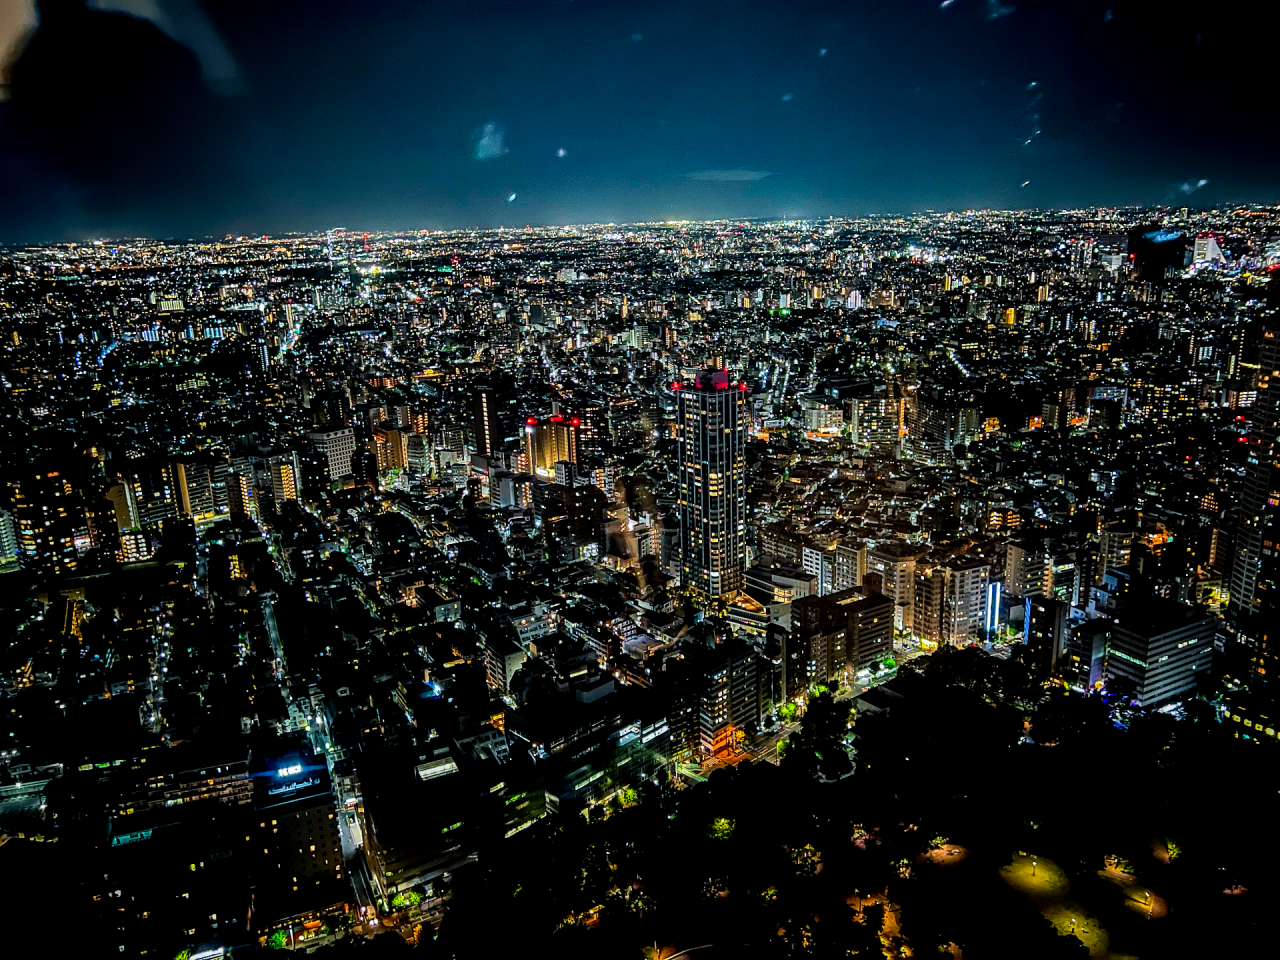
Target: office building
{"points": [[1161, 645], [336, 449]]}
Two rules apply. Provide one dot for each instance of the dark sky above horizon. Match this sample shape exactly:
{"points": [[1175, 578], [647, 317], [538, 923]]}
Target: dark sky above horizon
{"points": [[264, 116]]}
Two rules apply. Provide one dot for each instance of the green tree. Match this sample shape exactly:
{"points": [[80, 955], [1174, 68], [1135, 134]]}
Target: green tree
{"points": [[817, 749], [721, 828]]}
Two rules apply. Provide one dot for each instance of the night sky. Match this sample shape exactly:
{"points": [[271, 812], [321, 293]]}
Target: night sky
{"points": [[278, 115]]}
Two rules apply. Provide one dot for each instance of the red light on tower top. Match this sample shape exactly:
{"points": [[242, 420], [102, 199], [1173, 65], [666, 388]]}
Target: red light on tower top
{"points": [[556, 418], [532, 421], [675, 384], [575, 422]]}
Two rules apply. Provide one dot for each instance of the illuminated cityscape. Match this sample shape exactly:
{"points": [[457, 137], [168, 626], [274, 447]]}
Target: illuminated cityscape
{"points": [[389, 552], [742, 480]]}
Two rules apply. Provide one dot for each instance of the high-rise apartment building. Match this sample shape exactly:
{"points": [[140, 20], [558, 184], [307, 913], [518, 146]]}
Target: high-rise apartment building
{"points": [[152, 490], [194, 481], [1115, 544], [242, 495], [390, 447], [493, 414], [550, 441], [1026, 568], [964, 609], [711, 427], [734, 695], [8, 539], [1252, 604], [952, 601], [48, 515], [283, 472], [844, 632], [1046, 633], [572, 518], [1258, 490], [891, 570]]}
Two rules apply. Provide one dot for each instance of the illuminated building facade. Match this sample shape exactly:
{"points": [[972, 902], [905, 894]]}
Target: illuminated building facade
{"points": [[551, 441], [1254, 570], [711, 429], [47, 515]]}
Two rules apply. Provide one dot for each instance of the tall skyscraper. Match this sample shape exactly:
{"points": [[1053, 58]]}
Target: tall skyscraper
{"points": [[711, 428], [1256, 513], [1252, 604]]}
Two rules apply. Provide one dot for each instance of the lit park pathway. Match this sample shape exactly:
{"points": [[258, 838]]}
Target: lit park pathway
{"points": [[947, 855], [1138, 896], [1046, 884]]}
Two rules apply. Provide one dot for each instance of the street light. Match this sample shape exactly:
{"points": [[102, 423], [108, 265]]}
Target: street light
{"points": [[1033, 868]]}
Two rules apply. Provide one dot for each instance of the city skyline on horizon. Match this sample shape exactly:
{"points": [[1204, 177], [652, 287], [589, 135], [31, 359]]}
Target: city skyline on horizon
{"points": [[287, 117], [91, 238]]}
